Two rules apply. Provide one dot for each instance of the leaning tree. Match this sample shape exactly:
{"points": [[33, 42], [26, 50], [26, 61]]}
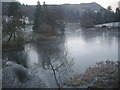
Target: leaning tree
{"points": [[13, 25]]}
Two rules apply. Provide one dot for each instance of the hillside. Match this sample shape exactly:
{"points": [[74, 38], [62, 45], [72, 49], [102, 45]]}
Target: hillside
{"points": [[68, 9], [82, 7], [71, 10]]}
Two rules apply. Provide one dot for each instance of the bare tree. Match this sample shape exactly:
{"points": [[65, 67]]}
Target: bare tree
{"points": [[60, 65]]}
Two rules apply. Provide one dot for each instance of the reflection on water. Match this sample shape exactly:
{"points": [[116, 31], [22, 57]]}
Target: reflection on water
{"points": [[32, 55], [86, 48]]}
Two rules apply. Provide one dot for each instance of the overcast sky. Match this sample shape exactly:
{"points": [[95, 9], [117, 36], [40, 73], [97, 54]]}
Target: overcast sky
{"points": [[104, 3]]}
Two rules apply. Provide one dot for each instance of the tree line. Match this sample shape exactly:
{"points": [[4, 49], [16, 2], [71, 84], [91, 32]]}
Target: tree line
{"points": [[91, 18]]}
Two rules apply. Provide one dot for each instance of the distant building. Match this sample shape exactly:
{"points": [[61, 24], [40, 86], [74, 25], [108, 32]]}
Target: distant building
{"points": [[7, 19], [25, 19]]}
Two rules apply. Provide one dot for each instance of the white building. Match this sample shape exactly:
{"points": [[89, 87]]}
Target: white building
{"points": [[25, 19]]}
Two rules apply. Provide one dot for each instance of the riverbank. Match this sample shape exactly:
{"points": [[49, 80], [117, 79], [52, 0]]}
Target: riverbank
{"points": [[109, 25], [24, 39], [115, 26], [101, 75]]}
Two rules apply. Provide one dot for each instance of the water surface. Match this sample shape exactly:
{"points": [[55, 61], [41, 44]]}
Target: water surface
{"points": [[85, 46]]}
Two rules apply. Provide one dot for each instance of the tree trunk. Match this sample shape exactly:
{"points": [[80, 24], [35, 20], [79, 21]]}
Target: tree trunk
{"points": [[9, 37], [14, 36], [54, 73]]}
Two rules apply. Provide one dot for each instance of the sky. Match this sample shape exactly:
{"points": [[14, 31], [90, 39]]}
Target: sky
{"points": [[104, 3]]}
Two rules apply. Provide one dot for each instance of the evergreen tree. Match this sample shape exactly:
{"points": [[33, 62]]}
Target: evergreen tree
{"points": [[109, 8], [45, 15], [37, 17], [77, 15], [117, 14], [47, 19], [109, 15]]}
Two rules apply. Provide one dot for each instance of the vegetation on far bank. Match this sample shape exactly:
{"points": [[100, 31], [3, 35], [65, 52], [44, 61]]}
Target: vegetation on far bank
{"points": [[91, 18]]}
